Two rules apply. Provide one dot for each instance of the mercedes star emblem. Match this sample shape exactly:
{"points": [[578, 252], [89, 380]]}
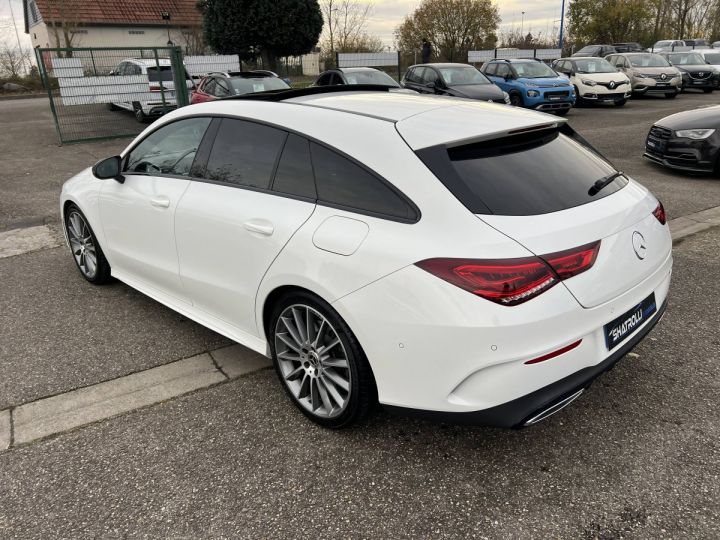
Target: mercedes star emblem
{"points": [[639, 245]]}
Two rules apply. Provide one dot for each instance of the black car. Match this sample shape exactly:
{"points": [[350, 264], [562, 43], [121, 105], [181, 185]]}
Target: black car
{"points": [[628, 47], [358, 75], [596, 50], [459, 80], [687, 141], [696, 72]]}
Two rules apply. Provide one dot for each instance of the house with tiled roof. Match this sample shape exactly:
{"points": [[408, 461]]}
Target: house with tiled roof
{"points": [[113, 23]]}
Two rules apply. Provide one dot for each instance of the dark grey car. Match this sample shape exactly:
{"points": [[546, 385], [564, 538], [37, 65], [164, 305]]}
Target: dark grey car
{"points": [[458, 80]]}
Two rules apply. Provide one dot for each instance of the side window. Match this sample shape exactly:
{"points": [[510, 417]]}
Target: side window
{"points": [[324, 80], [244, 153], [431, 76], [133, 69], [209, 86], [410, 75], [168, 150], [221, 87], [503, 70], [491, 69], [420, 75], [120, 70], [294, 175], [336, 80], [341, 182]]}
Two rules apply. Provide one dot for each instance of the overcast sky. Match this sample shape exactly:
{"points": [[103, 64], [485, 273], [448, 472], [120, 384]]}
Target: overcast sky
{"points": [[540, 16]]}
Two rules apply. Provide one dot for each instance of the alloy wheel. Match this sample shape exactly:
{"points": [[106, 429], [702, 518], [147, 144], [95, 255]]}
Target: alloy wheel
{"points": [[313, 361], [82, 245]]}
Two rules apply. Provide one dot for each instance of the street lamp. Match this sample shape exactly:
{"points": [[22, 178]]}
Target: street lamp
{"points": [[522, 24], [166, 17], [562, 24]]}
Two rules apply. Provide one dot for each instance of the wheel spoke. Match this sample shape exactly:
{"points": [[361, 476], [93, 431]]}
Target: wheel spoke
{"points": [[324, 396], [314, 398], [293, 331], [300, 325], [291, 344], [337, 379], [336, 362], [332, 391], [326, 348], [90, 262], [320, 333], [289, 357], [295, 373]]}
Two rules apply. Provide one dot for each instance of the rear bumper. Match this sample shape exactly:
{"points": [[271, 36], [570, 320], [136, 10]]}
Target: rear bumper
{"points": [[517, 412]]}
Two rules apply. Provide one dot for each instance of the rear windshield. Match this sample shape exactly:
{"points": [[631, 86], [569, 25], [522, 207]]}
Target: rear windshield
{"points": [[161, 73], [523, 175], [242, 85]]}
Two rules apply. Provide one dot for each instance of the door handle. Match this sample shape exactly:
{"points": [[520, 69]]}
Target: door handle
{"points": [[160, 202], [259, 226]]}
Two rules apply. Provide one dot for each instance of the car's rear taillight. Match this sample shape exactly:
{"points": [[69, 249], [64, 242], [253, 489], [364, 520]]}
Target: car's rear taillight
{"points": [[574, 261], [510, 282], [659, 213]]}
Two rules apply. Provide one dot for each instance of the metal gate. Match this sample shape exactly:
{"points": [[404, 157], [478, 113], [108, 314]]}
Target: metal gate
{"points": [[113, 92]]}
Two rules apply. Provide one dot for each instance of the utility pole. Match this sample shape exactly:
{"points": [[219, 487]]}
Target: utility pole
{"points": [[522, 25], [562, 24], [17, 35]]}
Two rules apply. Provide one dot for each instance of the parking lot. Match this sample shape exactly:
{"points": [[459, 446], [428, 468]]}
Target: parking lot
{"points": [[638, 456]]}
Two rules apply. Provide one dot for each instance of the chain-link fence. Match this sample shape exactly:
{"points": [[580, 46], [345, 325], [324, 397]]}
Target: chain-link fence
{"points": [[106, 93]]}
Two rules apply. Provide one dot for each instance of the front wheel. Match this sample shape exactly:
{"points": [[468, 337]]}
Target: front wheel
{"points": [[140, 115], [620, 102], [516, 100], [670, 96], [708, 90], [562, 112], [320, 362], [86, 251]]}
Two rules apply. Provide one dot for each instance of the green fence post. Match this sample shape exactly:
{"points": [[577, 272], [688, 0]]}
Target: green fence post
{"points": [[160, 79], [182, 97], [46, 82]]}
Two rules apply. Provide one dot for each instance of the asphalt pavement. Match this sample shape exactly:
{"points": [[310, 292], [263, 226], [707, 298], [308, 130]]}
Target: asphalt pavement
{"points": [[638, 456]]}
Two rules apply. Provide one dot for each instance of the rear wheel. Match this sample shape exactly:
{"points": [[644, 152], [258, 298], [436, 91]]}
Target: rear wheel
{"points": [[140, 115], [320, 362], [86, 251]]}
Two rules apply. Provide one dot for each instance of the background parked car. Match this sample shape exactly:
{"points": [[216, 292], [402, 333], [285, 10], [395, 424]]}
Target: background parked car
{"points": [[595, 50], [358, 75], [696, 42], [667, 45], [628, 47], [459, 80], [711, 57], [696, 73], [687, 141], [158, 72], [532, 84], [235, 83], [649, 73], [595, 80]]}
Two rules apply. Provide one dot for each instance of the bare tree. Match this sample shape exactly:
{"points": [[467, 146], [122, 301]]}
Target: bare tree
{"points": [[62, 24], [345, 24], [13, 61]]}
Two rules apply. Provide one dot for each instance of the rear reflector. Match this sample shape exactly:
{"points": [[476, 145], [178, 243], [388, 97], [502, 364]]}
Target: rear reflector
{"points": [[553, 354], [659, 213], [510, 282]]}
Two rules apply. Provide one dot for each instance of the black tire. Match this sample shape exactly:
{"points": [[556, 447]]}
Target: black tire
{"points": [[620, 102], [112, 107], [708, 90], [670, 96], [578, 98], [139, 114], [562, 112], [516, 100], [102, 272], [362, 396]]}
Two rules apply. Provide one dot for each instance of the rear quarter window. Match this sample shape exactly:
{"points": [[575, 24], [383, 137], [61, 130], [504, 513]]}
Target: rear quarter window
{"points": [[523, 175]]}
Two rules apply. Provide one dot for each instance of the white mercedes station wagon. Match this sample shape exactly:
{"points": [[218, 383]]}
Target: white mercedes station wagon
{"points": [[462, 260]]}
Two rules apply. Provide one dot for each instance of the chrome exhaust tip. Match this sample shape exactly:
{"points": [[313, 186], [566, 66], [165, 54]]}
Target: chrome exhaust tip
{"points": [[552, 409]]}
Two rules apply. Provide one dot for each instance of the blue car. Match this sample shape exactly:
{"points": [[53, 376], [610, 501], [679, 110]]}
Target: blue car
{"points": [[532, 84]]}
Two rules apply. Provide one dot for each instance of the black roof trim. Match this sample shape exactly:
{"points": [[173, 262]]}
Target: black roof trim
{"points": [[282, 95]]}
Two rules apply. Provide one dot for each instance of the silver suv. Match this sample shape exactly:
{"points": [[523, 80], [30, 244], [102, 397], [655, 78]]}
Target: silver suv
{"points": [[648, 73]]}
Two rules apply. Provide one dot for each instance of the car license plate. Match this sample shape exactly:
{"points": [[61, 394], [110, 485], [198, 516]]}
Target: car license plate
{"points": [[619, 329]]}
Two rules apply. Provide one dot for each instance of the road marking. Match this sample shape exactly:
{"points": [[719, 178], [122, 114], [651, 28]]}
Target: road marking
{"points": [[5, 430], [19, 241], [76, 408]]}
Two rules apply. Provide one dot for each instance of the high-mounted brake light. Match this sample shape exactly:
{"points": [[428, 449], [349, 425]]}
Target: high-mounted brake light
{"points": [[510, 282], [659, 213]]}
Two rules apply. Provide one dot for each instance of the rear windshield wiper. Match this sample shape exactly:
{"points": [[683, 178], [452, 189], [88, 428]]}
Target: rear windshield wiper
{"points": [[601, 184]]}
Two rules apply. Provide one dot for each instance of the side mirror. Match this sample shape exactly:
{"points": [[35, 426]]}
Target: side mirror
{"points": [[108, 168]]}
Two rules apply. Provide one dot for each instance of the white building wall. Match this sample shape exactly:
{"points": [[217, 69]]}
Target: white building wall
{"points": [[107, 36]]}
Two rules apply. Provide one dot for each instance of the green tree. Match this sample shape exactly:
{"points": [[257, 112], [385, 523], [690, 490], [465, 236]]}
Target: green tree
{"points": [[452, 26], [611, 21], [269, 28]]}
